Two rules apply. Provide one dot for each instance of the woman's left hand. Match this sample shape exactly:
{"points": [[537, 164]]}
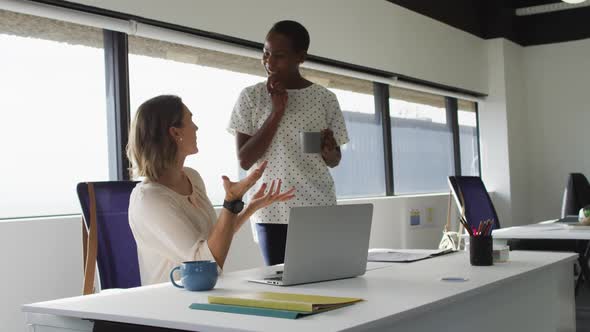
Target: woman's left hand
{"points": [[263, 199], [236, 190]]}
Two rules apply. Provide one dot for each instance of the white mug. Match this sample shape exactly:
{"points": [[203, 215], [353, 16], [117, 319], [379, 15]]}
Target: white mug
{"points": [[310, 141]]}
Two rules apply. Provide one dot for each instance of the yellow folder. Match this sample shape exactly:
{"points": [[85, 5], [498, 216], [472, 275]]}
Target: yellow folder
{"points": [[284, 301]]}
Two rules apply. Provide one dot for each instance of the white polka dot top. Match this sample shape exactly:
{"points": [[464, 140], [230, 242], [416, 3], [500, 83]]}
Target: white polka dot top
{"points": [[310, 109]]}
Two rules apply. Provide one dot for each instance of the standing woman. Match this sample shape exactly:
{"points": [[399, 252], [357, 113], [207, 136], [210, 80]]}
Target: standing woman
{"points": [[267, 119], [170, 214]]}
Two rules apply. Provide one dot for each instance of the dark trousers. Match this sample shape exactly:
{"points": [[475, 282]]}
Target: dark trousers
{"points": [[272, 239]]}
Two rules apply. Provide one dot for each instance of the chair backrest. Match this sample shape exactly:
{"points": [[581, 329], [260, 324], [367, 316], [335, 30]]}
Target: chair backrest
{"points": [[576, 195], [116, 256], [478, 204]]}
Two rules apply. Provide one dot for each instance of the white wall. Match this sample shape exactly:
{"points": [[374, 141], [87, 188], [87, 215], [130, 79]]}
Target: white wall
{"points": [[557, 94], [390, 227], [391, 220], [503, 133], [493, 131], [42, 258], [372, 33], [533, 126], [518, 145]]}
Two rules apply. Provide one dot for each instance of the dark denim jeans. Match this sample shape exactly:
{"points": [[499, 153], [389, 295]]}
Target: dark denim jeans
{"points": [[272, 239]]}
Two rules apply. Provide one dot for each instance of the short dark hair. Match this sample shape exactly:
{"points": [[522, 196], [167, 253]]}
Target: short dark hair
{"points": [[296, 32]]}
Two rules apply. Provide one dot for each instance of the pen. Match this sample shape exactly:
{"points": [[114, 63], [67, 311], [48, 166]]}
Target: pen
{"points": [[466, 226], [455, 279]]}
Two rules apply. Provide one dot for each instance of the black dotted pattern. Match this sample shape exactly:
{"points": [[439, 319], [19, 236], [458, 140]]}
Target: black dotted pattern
{"points": [[311, 109]]}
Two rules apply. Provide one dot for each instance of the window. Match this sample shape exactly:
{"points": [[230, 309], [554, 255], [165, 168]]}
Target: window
{"points": [[209, 83], [53, 119], [468, 138], [422, 142], [53, 123], [361, 172]]}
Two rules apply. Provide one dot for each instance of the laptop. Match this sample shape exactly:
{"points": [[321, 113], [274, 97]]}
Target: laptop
{"points": [[569, 219], [324, 243]]}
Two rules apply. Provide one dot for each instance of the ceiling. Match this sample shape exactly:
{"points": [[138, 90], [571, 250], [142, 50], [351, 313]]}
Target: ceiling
{"points": [[497, 18]]}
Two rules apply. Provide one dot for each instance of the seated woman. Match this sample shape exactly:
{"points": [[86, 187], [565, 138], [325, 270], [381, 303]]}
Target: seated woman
{"points": [[170, 215]]}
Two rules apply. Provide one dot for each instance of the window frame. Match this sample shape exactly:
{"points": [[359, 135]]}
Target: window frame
{"points": [[381, 97], [118, 104], [116, 52]]}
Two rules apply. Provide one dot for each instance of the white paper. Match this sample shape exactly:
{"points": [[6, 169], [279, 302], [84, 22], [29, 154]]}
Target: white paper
{"points": [[401, 255]]}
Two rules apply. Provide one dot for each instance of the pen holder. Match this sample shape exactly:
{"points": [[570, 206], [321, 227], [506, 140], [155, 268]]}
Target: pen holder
{"points": [[480, 250]]}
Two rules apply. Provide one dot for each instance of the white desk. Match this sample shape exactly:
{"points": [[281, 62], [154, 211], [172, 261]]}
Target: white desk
{"points": [[532, 292], [551, 230], [545, 230]]}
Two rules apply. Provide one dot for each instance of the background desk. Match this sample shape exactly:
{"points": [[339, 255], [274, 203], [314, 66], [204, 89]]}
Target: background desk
{"points": [[531, 292], [545, 230], [550, 230]]}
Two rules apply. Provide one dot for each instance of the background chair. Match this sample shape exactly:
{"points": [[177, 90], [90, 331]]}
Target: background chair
{"points": [[107, 237], [576, 195], [478, 204]]}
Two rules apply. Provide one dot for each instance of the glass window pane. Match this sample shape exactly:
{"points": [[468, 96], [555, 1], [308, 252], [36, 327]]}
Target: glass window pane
{"points": [[361, 172], [422, 142], [53, 118], [468, 139], [209, 82], [208, 91]]}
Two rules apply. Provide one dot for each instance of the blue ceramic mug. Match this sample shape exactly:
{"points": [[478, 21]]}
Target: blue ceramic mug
{"points": [[196, 275]]}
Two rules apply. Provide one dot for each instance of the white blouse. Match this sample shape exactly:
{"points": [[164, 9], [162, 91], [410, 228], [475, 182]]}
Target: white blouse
{"points": [[170, 228], [309, 109]]}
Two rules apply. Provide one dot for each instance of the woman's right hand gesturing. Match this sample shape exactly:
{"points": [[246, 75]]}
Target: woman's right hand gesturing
{"points": [[262, 199], [235, 190]]}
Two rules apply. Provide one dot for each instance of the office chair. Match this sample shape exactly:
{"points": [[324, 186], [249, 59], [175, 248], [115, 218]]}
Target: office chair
{"points": [[470, 191], [478, 207], [107, 237], [576, 195]]}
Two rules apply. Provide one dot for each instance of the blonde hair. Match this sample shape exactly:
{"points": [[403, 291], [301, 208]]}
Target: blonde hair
{"points": [[151, 149]]}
